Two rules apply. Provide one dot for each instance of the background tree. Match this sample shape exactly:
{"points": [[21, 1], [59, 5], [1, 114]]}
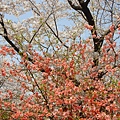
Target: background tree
{"points": [[63, 64]]}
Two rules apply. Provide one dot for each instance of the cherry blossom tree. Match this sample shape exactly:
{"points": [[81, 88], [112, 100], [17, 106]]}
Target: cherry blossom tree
{"points": [[62, 60]]}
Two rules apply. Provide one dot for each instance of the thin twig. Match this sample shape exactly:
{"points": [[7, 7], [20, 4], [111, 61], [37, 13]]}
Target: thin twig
{"points": [[56, 36], [40, 27]]}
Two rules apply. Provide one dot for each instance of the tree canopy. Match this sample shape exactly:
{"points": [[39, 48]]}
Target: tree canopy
{"points": [[60, 60]]}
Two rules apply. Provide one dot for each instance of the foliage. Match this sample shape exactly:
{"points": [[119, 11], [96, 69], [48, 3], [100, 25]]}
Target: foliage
{"points": [[52, 73]]}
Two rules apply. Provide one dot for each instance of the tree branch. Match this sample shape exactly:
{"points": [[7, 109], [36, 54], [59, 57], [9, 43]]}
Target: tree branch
{"points": [[38, 13], [108, 31], [56, 35], [40, 27], [73, 6], [5, 35], [81, 2], [87, 2]]}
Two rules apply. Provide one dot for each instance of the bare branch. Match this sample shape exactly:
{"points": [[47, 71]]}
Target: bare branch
{"points": [[56, 35], [73, 6], [81, 2], [87, 2], [89, 18], [55, 23], [5, 35], [39, 28], [38, 13], [80, 12]]}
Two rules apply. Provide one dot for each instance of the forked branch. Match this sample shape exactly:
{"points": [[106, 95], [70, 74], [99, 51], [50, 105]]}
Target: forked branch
{"points": [[83, 6]]}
